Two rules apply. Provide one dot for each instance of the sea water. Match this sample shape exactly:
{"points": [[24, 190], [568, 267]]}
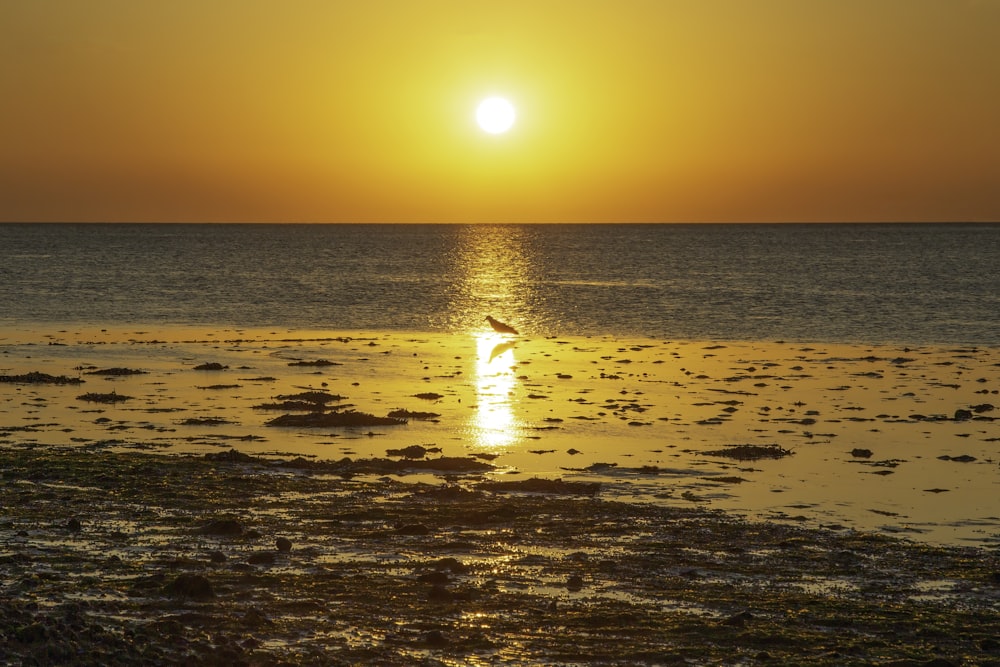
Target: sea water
{"points": [[853, 283]]}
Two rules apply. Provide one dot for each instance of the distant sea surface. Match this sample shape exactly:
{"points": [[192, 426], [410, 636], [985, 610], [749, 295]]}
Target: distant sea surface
{"points": [[853, 283]]}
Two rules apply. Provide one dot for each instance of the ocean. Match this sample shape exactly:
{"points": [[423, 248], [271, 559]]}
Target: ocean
{"points": [[847, 283]]}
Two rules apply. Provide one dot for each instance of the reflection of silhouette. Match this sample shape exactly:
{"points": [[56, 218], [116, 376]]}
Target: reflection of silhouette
{"points": [[500, 327], [500, 348]]}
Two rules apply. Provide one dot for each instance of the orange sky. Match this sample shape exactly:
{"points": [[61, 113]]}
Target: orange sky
{"points": [[638, 111]]}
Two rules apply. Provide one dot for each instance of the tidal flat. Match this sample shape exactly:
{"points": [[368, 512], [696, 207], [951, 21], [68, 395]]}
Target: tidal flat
{"points": [[893, 439], [135, 558], [301, 497]]}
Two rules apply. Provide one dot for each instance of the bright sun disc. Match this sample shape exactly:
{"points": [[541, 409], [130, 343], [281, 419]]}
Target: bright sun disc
{"points": [[495, 115]]}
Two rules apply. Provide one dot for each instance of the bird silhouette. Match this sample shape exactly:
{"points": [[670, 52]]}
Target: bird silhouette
{"points": [[500, 327], [500, 348]]}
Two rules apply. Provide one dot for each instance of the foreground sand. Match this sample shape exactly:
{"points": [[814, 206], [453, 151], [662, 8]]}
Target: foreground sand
{"points": [[882, 438], [121, 559]]}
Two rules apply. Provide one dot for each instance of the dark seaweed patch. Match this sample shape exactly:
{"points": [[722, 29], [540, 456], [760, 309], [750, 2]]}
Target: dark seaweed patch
{"points": [[36, 377], [750, 452], [332, 419], [115, 372], [111, 397]]}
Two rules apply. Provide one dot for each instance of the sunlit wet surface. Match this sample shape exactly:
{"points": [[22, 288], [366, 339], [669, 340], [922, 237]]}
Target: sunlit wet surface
{"points": [[508, 578], [494, 423], [878, 438], [873, 430]]}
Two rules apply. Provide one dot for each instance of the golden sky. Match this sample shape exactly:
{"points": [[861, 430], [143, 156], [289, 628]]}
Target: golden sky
{"points": [[632, 111]]}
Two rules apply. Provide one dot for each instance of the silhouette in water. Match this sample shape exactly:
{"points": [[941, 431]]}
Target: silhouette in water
{"points": [[500, 348], [500, 327]]}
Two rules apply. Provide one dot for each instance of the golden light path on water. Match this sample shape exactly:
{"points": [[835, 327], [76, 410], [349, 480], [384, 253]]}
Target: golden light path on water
{"points": [[493, 423], [494, 274], [495, 278]]}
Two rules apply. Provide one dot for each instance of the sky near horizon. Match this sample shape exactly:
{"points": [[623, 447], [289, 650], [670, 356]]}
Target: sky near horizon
{"points": [[637, 111]]}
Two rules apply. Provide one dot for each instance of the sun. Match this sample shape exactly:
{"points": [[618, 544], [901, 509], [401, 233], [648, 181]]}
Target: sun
{"points": [[495, 115]]}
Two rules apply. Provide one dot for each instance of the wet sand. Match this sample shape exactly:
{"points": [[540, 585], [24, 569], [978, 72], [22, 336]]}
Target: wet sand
{"points": [[161, 520], [887, 439], [132, 558]]}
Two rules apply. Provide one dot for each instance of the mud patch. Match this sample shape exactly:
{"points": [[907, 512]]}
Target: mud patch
{"points": [[226, 559]]}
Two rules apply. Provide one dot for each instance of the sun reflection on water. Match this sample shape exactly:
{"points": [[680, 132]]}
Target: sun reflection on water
{"points": [[494, 275], [494, 424], [494, 272]]}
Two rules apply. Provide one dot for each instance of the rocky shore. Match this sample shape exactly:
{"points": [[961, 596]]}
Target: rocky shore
{"points": [[111, 558]]}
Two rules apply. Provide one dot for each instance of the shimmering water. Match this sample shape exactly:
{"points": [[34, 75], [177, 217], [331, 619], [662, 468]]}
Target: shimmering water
{"points": [[900, 283]]}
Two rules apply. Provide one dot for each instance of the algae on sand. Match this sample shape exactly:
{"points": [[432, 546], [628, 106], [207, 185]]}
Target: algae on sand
{"points": [[110, 397], [401, 573], [36, 377], [330, 419], [750, 452]]}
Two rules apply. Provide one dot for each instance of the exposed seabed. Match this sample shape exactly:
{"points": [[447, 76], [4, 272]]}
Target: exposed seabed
{"points": [[284, 497], [896, 440]]}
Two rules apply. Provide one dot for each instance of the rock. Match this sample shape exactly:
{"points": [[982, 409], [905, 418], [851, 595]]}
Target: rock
{"points": [[574, 583], [750, 452], [964, 458], [413, 414], [147, 585], [74, 525], [961, 415], [230, 527], [439, 593], [859, 453], [232, 456], [437, 577], [314, 397], [739, 620], [192, 586], [211, 366], [413, 529], [451, 564], [254, 618], [96, 397], [217, 557], [332, 419], [261, 558], [283, 544], [116, 371], [411, 452], [435, 638], [314, 363], [39, 378], [34, 633]]}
